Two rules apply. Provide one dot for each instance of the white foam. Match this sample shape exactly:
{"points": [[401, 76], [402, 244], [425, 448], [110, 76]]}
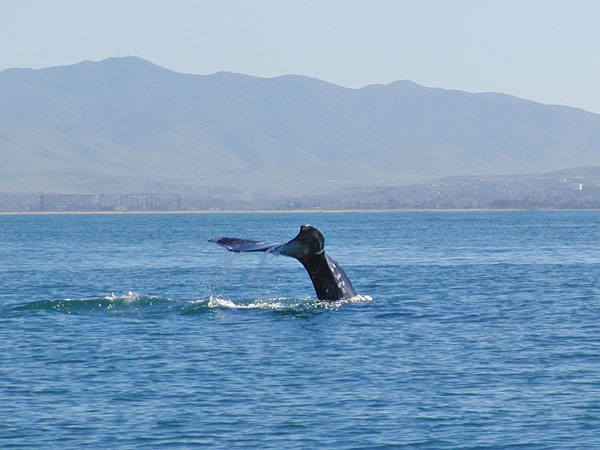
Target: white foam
{"points": [[284, 303], [130, 297], [358, 299], [216, 302]]}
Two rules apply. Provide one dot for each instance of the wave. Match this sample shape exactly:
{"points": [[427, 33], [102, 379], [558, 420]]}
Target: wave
{"points": [[128, 302], [134, 303]]}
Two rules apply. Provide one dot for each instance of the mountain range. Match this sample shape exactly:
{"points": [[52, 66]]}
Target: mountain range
{"points": [[128, 125]]}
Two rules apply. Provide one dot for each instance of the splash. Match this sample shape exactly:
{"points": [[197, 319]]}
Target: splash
{"points": [[283, 303], [129, 297], [357, 299], [276, 303]]}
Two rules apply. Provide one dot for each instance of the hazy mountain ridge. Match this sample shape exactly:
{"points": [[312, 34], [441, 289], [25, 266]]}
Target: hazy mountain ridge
{"points": [[125, 124]]}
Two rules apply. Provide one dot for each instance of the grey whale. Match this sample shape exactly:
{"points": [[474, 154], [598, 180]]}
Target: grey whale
{"points": [[328, 278]]}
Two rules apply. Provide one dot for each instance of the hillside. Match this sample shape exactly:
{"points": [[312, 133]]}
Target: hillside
{"points": [[127, 125]]}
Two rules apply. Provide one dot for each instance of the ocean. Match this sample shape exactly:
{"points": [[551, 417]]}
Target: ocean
{"points": [[474, 330]]}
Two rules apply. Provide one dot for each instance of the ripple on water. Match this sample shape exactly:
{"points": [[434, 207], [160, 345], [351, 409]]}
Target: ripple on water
{"points": [[134, 303]]}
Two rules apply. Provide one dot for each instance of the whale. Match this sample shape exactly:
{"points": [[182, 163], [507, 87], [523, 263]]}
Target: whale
{"points": [[328, 278]]}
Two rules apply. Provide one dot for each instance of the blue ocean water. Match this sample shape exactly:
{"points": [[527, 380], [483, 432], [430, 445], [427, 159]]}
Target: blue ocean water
{"points": [[126, 331]]}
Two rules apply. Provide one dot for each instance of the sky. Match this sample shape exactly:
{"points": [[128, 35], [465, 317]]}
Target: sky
{"points": [[542, 50]]}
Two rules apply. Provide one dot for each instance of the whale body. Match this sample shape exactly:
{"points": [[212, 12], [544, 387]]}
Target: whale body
{"points": [[328, 278]]}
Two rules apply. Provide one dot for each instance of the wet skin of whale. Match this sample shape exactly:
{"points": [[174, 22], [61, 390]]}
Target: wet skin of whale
{"points": [[328, 278]]}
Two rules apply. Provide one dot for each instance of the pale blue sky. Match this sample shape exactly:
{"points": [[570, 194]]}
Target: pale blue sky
{"points": [[544, 50]]}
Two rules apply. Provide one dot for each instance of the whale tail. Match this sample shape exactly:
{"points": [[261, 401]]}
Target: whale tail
{"points": [[328, 278]]}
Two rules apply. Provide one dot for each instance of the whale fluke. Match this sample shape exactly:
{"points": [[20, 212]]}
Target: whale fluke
{"points": [[328, 278]]}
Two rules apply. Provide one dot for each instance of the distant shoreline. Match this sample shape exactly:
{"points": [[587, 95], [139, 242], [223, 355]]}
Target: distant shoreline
{"points": [[286, 211]]}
